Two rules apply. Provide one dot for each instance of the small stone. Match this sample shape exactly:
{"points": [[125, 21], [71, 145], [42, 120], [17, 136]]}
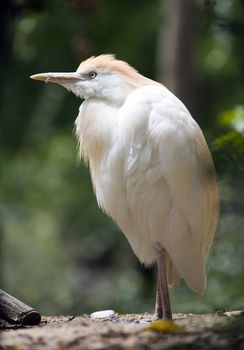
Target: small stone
{"points": [[146, 320], [102, 314]]}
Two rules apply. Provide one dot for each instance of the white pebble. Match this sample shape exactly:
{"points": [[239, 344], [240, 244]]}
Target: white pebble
{"points": [[102, 314]]}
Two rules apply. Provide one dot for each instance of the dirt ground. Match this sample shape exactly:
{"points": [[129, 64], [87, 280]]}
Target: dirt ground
{"points": [[222, 330]]}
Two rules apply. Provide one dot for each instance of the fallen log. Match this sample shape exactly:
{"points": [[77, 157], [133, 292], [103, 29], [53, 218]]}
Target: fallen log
{"points": [[15, 311]]}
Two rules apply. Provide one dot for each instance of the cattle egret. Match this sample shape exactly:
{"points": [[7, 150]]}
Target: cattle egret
{"points": [[150, 166]]}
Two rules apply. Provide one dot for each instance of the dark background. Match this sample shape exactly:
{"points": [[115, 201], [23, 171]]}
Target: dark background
{"points": [[58, 251]]}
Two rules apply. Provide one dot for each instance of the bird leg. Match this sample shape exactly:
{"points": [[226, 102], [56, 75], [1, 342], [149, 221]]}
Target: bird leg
{"points": [[158, 306], [162, 308]]}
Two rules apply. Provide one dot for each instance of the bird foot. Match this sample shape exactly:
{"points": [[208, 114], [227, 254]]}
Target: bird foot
{"points": [[157, 317]]}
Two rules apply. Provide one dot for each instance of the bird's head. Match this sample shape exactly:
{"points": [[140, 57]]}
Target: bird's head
{"points": [[102, 77]]}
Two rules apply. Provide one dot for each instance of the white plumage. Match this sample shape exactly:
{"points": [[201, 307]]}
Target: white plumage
{"points": [[151, 168]]}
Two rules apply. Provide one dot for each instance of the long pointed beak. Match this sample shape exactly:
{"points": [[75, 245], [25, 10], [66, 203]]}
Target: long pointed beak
{"points": [[59, 78]]}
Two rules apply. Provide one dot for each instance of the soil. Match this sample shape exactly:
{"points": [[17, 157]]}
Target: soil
{"points": [[221, 330]]}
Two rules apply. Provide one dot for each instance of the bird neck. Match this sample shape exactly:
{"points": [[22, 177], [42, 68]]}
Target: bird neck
{"points": [[95, 129]]}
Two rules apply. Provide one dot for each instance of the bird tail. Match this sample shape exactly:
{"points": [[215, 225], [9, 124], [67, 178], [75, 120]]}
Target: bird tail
{"points": [[194, 276], [173, 276]]}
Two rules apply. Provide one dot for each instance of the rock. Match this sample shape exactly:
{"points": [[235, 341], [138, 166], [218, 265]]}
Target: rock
{"points": [[102, 314]]}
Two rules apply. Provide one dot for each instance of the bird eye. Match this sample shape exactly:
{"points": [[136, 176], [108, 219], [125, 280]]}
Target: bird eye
{"points": [[92, 75]]}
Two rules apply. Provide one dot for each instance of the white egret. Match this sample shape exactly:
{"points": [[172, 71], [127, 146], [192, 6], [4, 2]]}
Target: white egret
{"points": [[151, 169]]}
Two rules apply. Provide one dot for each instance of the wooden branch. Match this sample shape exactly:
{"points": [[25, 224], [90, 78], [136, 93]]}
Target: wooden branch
{"points": [[15, 311]]}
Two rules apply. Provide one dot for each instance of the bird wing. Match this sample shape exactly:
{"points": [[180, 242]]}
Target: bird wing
{"points": [[170, 180]]}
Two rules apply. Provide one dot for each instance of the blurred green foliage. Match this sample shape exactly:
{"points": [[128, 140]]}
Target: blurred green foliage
{"points": [[59, 251]]}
